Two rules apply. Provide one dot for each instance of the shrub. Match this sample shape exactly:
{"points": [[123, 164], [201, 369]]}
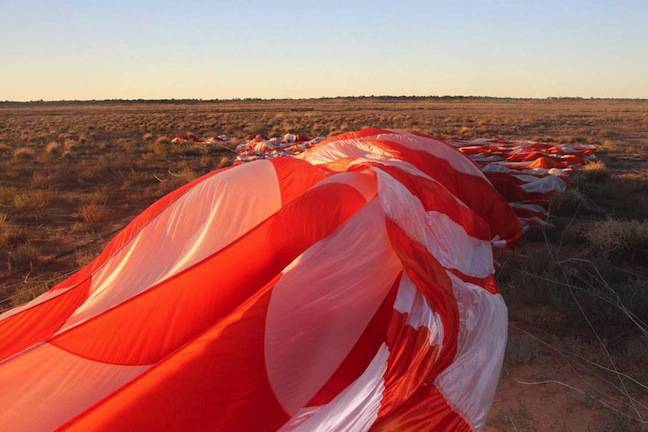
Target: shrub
{"points": [[84, 258], [10, 235], [522, 348], [5, 231], [99, 196], [566, 203], [224, 161], [27, 292], [32, 200], [464, 131], [161, 145], [187, 174], [53, 148], [623, 240], [103, 168], [25, 256], [70, 147], [189, 149], [92, 213], [127, 144], [7, 194], [632, 292], [40, 178], [595, 172], [23, 153], [5, 151]]}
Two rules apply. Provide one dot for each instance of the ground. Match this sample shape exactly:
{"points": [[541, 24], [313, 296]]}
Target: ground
{"points": [[73, 174]]}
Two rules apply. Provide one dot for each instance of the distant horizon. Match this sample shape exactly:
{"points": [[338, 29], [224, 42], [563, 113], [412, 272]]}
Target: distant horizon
{"points": [[268, 99]]}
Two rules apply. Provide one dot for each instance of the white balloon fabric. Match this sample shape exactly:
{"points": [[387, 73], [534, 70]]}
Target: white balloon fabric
{"points": [[349, 288]]}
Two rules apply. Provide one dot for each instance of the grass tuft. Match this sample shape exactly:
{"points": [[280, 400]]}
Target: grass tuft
{"points": [[25, 256], [33, 200], [93, 213], [28, 292], [595, 172], [23, 153], [625, 240]]}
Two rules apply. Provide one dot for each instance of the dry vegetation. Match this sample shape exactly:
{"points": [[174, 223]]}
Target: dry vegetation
{"points": [[73, 174]]}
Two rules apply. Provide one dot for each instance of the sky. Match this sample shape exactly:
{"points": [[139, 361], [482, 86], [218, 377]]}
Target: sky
{"points": [[56, 50]]}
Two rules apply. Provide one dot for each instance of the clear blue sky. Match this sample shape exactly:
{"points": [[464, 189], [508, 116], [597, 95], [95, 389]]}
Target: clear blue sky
{"points": [[225, 49]]}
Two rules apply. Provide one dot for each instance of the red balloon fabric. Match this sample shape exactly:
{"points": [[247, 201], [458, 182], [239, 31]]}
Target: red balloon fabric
{"points": [[350, 287]]}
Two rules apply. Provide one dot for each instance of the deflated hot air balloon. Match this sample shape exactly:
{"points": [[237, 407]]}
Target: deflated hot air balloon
{"points": [[349, 288]]}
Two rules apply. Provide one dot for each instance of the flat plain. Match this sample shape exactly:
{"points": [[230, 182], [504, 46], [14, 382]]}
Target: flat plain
{"points": [[73, 174]]}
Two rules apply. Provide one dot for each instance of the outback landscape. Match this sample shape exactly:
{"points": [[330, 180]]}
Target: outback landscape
{"points": [[73, 174]]}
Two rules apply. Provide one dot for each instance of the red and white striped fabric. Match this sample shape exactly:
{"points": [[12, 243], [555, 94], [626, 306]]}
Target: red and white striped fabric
{"points": [[350, 288], [528, 174]]}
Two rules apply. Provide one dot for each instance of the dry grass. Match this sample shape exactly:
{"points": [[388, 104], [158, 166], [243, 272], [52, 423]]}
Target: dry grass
{"points": [[625, 240], [83, 258], [568, 202], [522, 349], [27, 292], [33, 200], [10, 235], [84, 170], [23, 153], [25, 256], [93, 213], [5, 231], [6, 194], [6, 151], [161, 146], [595, 171]]}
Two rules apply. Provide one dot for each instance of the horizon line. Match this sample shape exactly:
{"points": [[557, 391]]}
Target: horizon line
{"points": [[269, 99]]}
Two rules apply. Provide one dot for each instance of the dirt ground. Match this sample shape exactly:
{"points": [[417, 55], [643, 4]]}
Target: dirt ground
{"points": [[73, 174]]}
